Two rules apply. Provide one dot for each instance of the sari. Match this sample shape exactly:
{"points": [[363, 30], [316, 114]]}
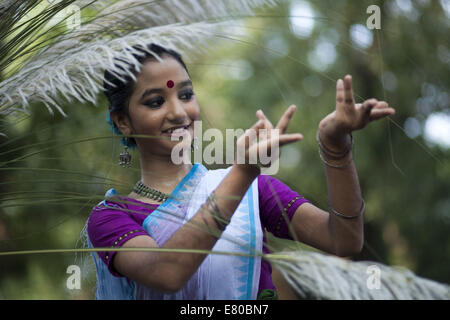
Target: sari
{"points": [[219, 276]]}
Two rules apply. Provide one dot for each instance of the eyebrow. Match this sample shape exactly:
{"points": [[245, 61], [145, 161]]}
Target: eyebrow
{"points": [[180, 85]]}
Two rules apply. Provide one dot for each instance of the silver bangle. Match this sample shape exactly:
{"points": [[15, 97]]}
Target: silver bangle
{"points": [[334, 156], [334, 165], [363, 208], [330, 153]]}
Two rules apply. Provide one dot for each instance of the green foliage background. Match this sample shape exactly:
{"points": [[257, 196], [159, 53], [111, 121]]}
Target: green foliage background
{"points": [[405, 181]]}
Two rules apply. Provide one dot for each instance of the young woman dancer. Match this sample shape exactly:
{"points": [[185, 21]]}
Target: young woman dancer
{"points": [[185, 206]]}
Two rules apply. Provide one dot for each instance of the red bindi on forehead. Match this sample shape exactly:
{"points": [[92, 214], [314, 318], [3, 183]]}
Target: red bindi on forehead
{"points": [[170, 84]]}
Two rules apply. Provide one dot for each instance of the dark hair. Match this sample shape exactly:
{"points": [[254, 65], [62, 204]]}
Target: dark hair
{"points": [[118, 89]]}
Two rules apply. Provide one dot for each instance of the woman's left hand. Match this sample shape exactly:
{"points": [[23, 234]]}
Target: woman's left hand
{"points": [[348, 116]]}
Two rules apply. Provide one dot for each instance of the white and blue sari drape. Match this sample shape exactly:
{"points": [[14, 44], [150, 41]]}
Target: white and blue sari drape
{"points": [[219, 276]]}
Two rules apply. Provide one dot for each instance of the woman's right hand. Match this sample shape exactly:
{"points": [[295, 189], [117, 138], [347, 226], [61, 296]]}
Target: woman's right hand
{"points": [[259, 146]]}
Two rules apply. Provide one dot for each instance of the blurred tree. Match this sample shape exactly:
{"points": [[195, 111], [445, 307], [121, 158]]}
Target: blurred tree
{"points": [[294, 54]]}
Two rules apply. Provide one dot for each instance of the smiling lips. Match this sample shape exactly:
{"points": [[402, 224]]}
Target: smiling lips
{"points": [[176, 129]]}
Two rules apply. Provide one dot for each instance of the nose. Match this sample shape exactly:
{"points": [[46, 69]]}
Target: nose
{"points": [[176, 112]]}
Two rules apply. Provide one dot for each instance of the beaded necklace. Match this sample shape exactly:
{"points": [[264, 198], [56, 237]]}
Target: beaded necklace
{"points": [[143, 190]]}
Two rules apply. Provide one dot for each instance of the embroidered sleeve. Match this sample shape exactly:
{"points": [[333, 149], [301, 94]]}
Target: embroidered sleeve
{"points": [[277, 205], [110, 227]]}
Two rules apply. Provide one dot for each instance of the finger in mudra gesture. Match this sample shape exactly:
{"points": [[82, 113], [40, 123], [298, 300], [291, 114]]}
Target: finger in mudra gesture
{"points": [[265, 139], [349, 116], [334, 129]]}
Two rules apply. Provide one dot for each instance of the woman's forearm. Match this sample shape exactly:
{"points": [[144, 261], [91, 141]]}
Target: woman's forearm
{"points": [[344, 196], [344, 193]]}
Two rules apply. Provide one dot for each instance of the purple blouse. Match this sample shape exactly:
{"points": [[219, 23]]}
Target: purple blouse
{"points": [[112, 228]]}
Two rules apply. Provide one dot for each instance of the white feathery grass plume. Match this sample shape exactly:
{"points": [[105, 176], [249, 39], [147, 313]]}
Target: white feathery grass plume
{"points": [[72, 66], [315, 276], [77, 73]]}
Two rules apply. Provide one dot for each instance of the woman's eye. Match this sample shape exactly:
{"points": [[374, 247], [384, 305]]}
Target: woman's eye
{"points": [[187, 95], [155, 103], [159, 101]]}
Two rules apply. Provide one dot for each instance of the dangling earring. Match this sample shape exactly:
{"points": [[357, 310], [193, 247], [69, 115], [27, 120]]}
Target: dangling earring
{"points": [[125, 156]]}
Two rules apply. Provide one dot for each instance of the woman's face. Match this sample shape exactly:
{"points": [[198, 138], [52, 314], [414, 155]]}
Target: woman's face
{"points": [[163, 99]]}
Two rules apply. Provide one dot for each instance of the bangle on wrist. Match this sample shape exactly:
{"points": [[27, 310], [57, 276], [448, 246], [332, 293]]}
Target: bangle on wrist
{"points": [[324, 152], [218, 217], [344, 165], [330, 153], [212, 231]]}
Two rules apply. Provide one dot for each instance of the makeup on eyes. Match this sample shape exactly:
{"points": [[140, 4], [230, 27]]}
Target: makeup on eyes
{"points": [[179, 86], [160, 100]]}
